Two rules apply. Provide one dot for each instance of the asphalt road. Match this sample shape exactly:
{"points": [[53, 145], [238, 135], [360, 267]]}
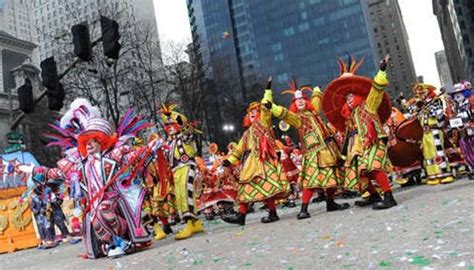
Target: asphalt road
{"points": [[431, 228]]}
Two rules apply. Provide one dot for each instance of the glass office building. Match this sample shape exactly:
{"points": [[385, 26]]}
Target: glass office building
{"points": [[242, 42], [281, 38]]}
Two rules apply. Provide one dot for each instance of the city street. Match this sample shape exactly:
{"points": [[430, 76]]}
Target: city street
{"points": [[431, 228]]}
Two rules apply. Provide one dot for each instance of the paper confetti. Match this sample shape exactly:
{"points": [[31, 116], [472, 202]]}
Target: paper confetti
{"points": [[420, 261]]}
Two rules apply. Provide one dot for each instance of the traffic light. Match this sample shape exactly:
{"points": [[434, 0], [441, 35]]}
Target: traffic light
{"points": [[56, 98], [110, 37], [82, 41], [49, 73], [25, 96], [55, 90]]}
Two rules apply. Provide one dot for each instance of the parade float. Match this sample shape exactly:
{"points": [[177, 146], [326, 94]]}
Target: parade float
{"points": [[16, 223]]}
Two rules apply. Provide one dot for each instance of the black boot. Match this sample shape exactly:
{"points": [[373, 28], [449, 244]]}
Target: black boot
{"points": [[167, 229], [290, 204], [331, 205], [236, 218], [321, 198], [303, 214], [373, 198], [388, 202], [272, 217], [251, 209]]}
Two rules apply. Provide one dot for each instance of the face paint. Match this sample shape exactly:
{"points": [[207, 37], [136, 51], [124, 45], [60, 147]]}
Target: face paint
{"points": [[93, 147], [300, 103]]}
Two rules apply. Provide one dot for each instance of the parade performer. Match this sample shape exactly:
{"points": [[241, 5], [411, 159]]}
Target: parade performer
{"points": [[432, 119], [318, 147], [216, 197], [359, 106], [462, 121], [41, 208], [289, 168], [114, 195], [261, 178], [181, 151], [159, 201]]}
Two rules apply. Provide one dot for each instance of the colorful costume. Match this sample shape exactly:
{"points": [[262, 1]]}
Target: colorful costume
{"points": [[432, 119], [180, 152], [261, 177], [41, 208], [108, 166], [462, 120], [318, 147], [360, 107], [289, 168], [160, 201], [218, 186]]}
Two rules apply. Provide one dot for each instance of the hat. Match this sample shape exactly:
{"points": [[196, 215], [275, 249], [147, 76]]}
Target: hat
{"points": [[169, 116], [295, 91], [39, 175], [100, 130], [422, 87], [335, 94], [463, 87]]}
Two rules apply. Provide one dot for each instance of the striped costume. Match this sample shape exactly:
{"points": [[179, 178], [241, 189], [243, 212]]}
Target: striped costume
{"points": [[435, 160]]}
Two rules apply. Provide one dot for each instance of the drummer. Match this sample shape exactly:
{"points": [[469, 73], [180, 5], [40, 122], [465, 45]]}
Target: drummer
{"points": [[432, 119]]}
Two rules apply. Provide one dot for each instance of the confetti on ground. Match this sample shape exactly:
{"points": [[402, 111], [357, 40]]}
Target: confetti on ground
{"points": [[385, 264], [419, 260]]}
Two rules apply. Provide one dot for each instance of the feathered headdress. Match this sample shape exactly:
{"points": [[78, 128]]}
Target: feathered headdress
{"points": [[351, 67], [72, 123], [334, 99], [295, 91], [170, 116]]}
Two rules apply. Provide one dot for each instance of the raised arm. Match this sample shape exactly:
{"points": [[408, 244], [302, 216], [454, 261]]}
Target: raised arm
{"points": [[380, 82]]}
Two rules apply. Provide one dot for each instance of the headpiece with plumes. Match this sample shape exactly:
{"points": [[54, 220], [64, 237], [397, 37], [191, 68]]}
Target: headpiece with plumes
{"points": [[295, 91], [80, 111], [170, 116], [351, 67]]}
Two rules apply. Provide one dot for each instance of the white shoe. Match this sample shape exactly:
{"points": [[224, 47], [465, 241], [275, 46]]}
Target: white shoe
{"points": [[115, 252]]}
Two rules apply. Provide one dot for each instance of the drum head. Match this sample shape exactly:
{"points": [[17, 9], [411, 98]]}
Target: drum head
{"points": [[404, 154], [410, 129]]}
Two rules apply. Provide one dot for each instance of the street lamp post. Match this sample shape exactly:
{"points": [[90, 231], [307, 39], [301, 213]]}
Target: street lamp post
{"points": [[228, 130]]}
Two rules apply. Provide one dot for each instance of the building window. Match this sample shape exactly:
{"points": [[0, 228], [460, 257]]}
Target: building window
{"points": [[282, 78], [289, 31], [276, 47], [304, 15], [278, 57], [303, 27]]}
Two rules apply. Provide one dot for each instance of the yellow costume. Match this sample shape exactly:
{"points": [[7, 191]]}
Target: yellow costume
{"points": [[181, 150], [318, 147], [261, 176], [431, 117]]}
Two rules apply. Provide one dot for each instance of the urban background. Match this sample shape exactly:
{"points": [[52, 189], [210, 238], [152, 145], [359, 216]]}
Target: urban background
{"points": [[109, 52]]}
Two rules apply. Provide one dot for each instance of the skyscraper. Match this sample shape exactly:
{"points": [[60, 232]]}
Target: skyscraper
{"points": [[16, 19], [243, 42], [54, 19], [443, 69], [456, 22], [391, 38], [302, 38]]}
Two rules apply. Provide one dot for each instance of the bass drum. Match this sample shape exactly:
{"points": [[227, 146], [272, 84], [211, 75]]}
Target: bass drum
{"points": [[406, 150], [410, 129], [404, 154]]}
